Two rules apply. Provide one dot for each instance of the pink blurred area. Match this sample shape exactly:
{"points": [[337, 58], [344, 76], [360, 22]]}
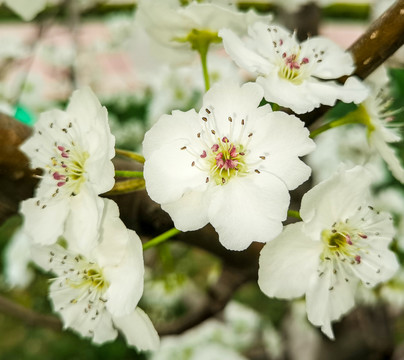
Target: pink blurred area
{"points": [[109, 71]]}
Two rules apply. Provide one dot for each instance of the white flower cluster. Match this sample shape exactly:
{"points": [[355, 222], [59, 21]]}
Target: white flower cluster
{"points": [[77, 235], [231, 164]]}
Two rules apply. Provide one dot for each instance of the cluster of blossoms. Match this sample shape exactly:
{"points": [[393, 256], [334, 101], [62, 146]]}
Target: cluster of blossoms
{"points": [[99, 271], [231, 164]]}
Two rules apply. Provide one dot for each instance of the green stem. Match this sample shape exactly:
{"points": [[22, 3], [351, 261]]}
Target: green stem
{"points": [[130, 154], [294, 213], [350, 118], [125, 173], [203, 52], [161, 238]]}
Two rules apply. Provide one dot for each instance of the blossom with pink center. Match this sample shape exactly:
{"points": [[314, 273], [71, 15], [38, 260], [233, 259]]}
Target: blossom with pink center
{"points": [[341, 241], [74, 149], [231, 165], [298, 76]]}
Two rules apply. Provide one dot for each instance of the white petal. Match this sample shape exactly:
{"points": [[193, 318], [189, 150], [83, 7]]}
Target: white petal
{"points": [[282, 139], [190, 211], [226, 100], [334, 199], [104, 330], [335, 62], [287, 263], [376, 266], [327, 92], [92, 120], [242, 55], [285, 93], [114, 236], [44, 225], [179, 125], [27, 9], [169, 173], [138, 330], [82, 224], [126, 279], [328, 297], [389, 156], [248, 209]]}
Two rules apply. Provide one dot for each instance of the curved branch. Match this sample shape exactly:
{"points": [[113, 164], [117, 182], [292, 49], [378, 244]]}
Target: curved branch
{"points": [[218, 297], [28, 316]]}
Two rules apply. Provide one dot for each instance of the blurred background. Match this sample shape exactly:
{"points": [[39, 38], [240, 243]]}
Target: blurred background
{"points": [[74, 43]]}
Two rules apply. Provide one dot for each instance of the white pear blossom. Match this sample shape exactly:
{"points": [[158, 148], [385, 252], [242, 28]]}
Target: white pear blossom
{"points": [[96, 291], [342, 240], [297, 76], [74, 149], [169, 24], [230, 165]]}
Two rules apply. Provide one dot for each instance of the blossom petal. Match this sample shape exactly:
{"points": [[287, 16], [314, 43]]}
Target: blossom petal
{"points": [[334, 199], [190, 212], [242, 55], [281, 140], [44, 225], [249, 209], [82, 224], [138, 330], [328, 297], [287, 263], [285, 93], [376, 266], [112, 245], [169, 173], [126, 279], [179, 125], [335, 62], [327, 92]]}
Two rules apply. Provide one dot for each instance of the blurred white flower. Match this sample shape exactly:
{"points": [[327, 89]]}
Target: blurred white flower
{"points": [[231, 165], [74, 149], [172, 25], [214, 340], [297, 76], [96, 291], [348, 145], [17, 256], [341, 241], [376, 116]]}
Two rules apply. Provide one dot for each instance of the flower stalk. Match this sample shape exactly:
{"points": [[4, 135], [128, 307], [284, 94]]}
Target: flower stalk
{"points": [[161, 238]]}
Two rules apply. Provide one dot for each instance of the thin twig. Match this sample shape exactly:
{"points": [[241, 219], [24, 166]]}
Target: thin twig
{"points": [[28, 316]]}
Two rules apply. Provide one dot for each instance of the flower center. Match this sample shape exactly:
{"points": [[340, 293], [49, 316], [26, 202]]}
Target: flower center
{"points": [[67, 168], [225, 160], [83, 279], [342, 242], [291, 68]]}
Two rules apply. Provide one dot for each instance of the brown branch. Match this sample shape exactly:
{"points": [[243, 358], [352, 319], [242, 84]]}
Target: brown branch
{"points": [[218, 297], [28, 316]]}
